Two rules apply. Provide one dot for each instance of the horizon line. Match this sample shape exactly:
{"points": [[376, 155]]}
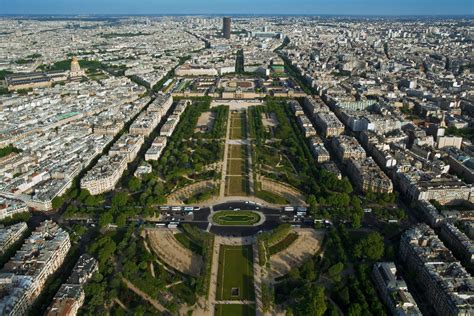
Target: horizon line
{"points": [[239, 14]]}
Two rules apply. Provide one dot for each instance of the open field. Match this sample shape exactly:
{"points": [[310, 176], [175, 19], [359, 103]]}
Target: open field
{"points": [[236, 218], [234, 310], [235, 274], [236, 133], [235, 167], [235, 151], [236, 185]]}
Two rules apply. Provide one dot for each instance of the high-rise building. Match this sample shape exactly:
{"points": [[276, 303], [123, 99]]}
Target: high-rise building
{"points": [[226, 27]]}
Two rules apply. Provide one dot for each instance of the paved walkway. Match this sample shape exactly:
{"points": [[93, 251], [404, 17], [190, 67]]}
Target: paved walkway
{"points": [[257, 280], [250, 162], [224, 162], [211, 302]]}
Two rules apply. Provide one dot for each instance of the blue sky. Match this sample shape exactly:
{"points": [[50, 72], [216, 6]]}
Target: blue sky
{"points": [[357, 7]]}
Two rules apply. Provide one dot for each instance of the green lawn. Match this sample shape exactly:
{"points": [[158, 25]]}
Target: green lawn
{"points": [[236, 186], [235, 151], [235, 167], [236, 218], [235, 273], [236, 133], [234, 310]]}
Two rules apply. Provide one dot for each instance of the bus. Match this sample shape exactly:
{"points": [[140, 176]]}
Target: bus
{"points": [[289, 209], [188, 208]]}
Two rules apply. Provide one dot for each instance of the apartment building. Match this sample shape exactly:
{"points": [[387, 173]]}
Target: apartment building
{"points": [[23, 277], [105, 174], [447, 286], [10, 207], [393, 290], [156, 149], [10, 235], [458, 241], [328, 124], [70, 295], [347, 147], [367, 176]]}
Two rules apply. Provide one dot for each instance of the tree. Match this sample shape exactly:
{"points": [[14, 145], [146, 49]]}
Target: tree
{"points": [[334, 272], [120, 199], [134, 184], [371, 247], [105, 219], [355, 310], [313, 303], [121, 220]]}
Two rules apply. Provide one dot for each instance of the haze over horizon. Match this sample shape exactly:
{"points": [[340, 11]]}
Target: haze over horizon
{"points": [[336, 7]]}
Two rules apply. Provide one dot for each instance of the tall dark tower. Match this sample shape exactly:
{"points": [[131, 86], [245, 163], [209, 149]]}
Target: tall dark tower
{"points": [[226, 27]]}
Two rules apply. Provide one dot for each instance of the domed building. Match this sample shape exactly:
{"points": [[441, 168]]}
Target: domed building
{"points": [[76, 70]]}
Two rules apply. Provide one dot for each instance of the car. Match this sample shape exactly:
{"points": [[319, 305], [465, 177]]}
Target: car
{"points": [[197, 208], [236, 209]]}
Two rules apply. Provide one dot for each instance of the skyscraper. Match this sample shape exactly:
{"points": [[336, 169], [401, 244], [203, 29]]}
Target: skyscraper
{"points": [[226, 27]]}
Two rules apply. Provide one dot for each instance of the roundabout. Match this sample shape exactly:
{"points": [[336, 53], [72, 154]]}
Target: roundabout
{"points": [[236, 218]]}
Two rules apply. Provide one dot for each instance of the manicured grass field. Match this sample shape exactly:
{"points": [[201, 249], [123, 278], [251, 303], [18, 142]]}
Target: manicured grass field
{"points": [[236, 133], [235, 272], [235, 167], [235, 151], [234, 310], [236, 218], [236, 186]]}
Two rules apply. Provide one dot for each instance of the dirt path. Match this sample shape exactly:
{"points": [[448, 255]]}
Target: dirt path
{"points": [[119, 303], [173, 284], [145, 296]]}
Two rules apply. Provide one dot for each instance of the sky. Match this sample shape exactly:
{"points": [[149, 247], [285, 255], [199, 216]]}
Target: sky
{"points": [[336, 7]]}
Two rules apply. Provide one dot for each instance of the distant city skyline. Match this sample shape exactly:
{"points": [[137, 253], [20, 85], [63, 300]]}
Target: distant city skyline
{"points": [[335, 7]]}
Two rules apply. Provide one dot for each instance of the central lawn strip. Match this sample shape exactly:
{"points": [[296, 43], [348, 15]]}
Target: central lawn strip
{"points": [[235, 167], [236, 133], [234, 310], [236, 218], [235, 151], [236, 185], [235, 272], [282, 245]]}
